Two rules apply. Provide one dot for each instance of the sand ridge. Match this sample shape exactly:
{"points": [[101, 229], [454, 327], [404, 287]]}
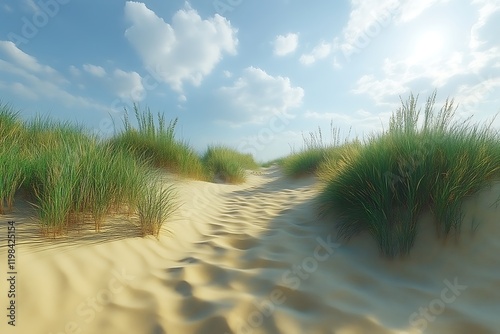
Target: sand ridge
{"points": [[254, 258]]}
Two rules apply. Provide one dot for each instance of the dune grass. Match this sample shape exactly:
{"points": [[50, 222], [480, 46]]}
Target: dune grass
{"points": [[155, 142], [12, 176], [382, 187], [156, 204], [315, 152], [11, 127], [108, 181], [11, 162], [72, 176], [54, 184], [227, 164]]}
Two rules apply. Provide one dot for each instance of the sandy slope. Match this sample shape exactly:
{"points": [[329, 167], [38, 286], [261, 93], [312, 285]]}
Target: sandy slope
{"points": [[253, 259]]}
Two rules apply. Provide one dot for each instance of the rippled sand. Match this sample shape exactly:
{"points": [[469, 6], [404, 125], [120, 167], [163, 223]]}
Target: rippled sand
{"points": [[253, 258]]}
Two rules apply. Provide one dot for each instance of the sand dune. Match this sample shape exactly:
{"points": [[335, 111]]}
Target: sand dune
{"points": [[253, 258]]}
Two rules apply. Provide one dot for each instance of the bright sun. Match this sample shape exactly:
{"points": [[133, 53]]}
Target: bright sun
{"points": [[428, 47]]}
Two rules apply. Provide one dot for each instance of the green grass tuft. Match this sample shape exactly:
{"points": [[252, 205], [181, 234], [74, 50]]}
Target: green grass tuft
{"points": [[315, 153], [12, 175], [156, 204], [72, 176], [155, 143], [227, 164], [383, 186]]}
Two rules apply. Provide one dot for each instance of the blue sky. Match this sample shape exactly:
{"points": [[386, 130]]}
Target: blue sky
{"points": [[254, 75]]}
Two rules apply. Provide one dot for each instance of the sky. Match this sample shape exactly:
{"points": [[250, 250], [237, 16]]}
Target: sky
{"points": [[254, 75]]}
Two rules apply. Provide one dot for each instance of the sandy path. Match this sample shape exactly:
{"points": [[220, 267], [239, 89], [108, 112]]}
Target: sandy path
{"points": [[253, 258]]}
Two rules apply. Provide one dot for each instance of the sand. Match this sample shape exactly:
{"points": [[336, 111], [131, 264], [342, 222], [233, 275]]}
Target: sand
{"points": [[252, 258]]}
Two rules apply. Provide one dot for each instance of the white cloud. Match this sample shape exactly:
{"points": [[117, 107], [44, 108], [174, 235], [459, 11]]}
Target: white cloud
{"points": [[127, 85], [285, 44], [410, 10], [256, 96], [368, 18], [365, 15], [35, 80], [470, 96], [398, 75], [227, 74], [450, 66], [21, 90], [184, 51], [321, 51], [379, 89], [486, 10], [74, 71], [97, 71], [25, 61]]}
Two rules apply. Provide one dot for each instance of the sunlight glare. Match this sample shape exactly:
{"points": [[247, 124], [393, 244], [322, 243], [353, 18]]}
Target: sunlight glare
{"points": [[428, 47]]}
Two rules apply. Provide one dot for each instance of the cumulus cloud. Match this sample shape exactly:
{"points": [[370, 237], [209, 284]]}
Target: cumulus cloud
{"points": [[285, 44], [34, 80], [127, 85], [25, 61], [379, 89], [321, 51], [185, 50], [97, 71], [486, 9], [255, 96]]}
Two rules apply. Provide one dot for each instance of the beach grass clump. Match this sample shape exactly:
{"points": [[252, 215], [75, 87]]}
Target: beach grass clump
{"points": [[73, 177], [75, 183], [226, 164], [11, 128], [107, 181], [54, 185], [314, 153], [383, 187], [154, 141], [467, 160], [12, 163], [305, 162], [11, 174], [156, 204], [333, 159]]}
